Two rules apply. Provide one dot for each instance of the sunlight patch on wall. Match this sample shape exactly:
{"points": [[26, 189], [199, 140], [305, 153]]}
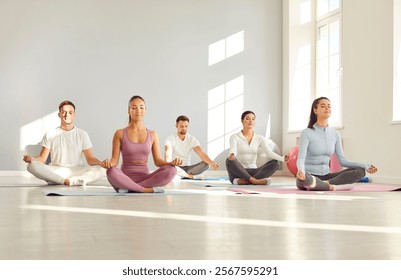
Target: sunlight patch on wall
{"points": [[32, 133], [226, 48], [225, 106], [268, 127]]}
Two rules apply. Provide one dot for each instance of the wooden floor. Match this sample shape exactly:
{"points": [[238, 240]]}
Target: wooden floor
{"points": [[200, 223]]}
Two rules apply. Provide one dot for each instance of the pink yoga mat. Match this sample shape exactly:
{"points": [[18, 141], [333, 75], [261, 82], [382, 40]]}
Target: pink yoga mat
{"points": [[357, 188]]}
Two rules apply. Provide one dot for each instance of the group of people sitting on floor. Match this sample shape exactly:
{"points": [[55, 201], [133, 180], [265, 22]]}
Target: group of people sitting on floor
{"points": [[66, 144]]}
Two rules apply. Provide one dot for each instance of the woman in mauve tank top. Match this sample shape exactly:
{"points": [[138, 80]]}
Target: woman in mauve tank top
{"points": [[135, 142]]}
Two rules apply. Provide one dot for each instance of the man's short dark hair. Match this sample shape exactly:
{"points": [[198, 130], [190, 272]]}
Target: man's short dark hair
{"points": [[65, 102], [182, 118]]}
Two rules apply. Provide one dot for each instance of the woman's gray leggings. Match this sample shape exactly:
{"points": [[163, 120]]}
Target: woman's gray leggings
{"points": [[317, 182], [236, 170]]}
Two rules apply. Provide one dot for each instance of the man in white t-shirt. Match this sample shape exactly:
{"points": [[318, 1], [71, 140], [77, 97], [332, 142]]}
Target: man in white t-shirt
{"points": [[66, 144], [180, 145]]}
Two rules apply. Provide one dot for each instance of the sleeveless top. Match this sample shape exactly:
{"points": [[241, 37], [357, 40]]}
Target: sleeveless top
{"points": [[131, 151]]}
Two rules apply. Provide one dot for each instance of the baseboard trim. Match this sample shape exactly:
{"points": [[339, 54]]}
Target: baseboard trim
{"points": [[384, 180], [14, 173]]}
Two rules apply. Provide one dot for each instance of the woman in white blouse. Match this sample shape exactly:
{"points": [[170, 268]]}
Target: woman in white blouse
{"points": [[244, 148]]}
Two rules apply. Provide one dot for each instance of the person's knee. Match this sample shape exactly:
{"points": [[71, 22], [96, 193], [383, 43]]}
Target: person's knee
{"points": [[29, 167], [361, 172], [274, 163], [100, 172], [33, 167], [172, 171], [111, 171], [168, 173], [229, 162]]}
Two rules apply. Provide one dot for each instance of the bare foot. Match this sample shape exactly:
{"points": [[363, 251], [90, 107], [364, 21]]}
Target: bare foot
{"points": [[239, 181], [331, 188], [264, 181], [301, 175]]}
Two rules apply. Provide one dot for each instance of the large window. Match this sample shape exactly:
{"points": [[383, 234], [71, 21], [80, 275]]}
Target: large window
{"points": [[315, 58], [328, 65]]}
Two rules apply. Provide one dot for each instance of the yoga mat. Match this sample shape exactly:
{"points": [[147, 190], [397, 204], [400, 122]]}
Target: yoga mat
{"points": [[357, 188], [110, 192], [222, 178], [229, 185]]}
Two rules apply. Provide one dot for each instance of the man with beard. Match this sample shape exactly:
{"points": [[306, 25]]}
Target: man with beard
{"points": [[180, 145], [66, 144]]}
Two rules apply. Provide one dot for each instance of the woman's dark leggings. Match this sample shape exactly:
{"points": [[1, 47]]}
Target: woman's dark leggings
{"points": [[346, 176], [236, 170]]}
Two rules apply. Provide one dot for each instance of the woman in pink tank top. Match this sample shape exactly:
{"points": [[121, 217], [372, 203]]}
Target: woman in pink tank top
{"points": [[135, 143]]}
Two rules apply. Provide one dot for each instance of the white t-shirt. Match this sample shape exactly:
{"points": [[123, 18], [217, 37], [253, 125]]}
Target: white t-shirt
{"points": [[247, 154], [182, 148], [66, 146]]}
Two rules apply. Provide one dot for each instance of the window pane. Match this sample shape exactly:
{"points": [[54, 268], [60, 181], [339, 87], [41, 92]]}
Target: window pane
{"points": [[328, 66], [334, 41], [322, 77], [334, 72], [323, 42], [322, 7], [334, 5]]}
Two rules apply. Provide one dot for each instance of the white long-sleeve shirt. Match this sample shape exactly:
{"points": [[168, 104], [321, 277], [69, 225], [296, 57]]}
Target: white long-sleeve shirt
{"points": [[247, 154]]}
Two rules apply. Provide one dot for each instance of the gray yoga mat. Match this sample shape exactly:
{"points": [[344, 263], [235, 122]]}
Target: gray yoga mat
{"points": [[110, 192]]}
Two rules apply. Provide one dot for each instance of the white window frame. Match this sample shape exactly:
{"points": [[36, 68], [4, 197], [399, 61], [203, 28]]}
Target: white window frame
{"points": [[337, 100], [311, 82]]}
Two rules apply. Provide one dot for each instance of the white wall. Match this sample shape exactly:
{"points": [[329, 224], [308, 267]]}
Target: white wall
{"points": [[368, 134], [100, 53]]}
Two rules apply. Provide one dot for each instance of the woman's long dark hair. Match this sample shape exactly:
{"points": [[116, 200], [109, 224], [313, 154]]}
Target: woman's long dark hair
{"points": [[129, 102], [312, 116]]}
